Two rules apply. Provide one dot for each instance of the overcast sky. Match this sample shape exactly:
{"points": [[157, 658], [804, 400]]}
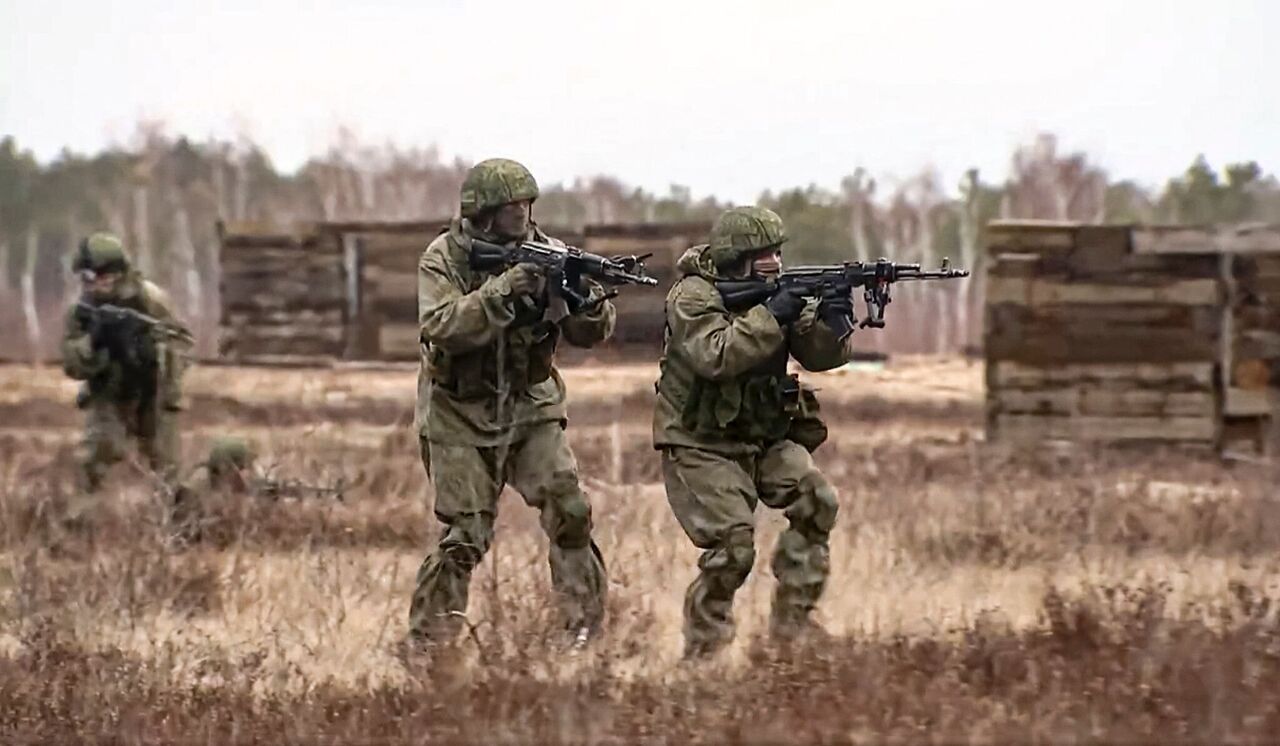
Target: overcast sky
{"points": [[726, 98]]}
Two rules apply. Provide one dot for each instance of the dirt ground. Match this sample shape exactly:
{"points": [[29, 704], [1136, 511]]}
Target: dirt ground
{"points": [[978, 593]]}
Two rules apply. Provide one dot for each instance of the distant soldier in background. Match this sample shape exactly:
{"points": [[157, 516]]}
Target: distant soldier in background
{"points": [[123, 340], [491, 406], [231, 468], [735, 429]]}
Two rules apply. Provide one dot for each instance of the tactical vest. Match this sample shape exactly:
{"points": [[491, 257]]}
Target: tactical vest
{"points": [[521, 357], [763, 405]]}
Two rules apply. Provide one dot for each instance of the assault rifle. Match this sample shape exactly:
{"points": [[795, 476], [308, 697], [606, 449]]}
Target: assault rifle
{"points": [[117, 327], [129, 337], [566, 265], [276, 488], [816, 281]]}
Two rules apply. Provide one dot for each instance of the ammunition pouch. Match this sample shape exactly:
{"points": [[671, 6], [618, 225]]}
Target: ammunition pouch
{"points": [[530, 354], [755, 409], [542, 351], [750, 409], [807, 427]]}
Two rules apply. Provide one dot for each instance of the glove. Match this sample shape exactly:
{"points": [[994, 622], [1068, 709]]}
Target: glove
{"points": [[523, 279], [786, 305], [836, 311]]}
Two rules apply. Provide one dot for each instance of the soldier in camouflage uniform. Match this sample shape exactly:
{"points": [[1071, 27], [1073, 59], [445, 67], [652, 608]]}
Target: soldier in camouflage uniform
{"points": [[734, 428], [228, 469], [137, 393], [491, 406]]}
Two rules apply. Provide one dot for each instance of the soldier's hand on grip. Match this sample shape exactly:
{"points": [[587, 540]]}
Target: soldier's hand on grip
{"points": [[786, 305], [836, 310], [523, 279]]}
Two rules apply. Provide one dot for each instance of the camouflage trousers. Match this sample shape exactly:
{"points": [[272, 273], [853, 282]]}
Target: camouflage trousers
{"points": [[714, 499], [108, 428], [467, 481]]}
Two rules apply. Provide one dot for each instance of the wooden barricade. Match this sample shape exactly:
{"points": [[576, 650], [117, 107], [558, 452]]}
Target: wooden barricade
{"points": [[1120, 333], [641, 313], [283, 296], [348, 290]]}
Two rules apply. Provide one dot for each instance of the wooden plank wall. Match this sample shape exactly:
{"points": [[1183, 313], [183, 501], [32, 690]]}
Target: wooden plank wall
{"points": [[283, 296], [286, 296], [1249, 344], [640, 309], [1087, 339], [388, 258], [389, 253]]}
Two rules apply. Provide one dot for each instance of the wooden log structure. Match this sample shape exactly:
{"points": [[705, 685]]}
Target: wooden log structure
{"points": [[1118, 333], [282, 295], [641, 314], [348, 289]]}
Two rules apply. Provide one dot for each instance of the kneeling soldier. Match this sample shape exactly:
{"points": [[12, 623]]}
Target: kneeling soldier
{"points": [[734, 428]]}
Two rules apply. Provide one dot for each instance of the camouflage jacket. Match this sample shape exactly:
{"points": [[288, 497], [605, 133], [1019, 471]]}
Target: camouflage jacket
{"points": [[105, 377], [722, 372], [487, 366]]}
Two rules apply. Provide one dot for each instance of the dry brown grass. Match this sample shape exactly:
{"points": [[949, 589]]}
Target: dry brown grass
{"points": [[976, 594]]}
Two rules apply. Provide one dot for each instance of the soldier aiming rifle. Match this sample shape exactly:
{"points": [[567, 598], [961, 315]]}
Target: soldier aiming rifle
{"points": [[124, 341], [835, 280], [496, 297], [736, 430], [565, 266]]}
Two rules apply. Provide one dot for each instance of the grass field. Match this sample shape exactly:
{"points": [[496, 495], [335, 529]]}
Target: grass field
{"points": [[978, 593]]}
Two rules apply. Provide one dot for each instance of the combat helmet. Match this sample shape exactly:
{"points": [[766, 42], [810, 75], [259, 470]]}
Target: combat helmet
{"points": [[101, 253], [229, 453], [495, 182], [741, 230]]}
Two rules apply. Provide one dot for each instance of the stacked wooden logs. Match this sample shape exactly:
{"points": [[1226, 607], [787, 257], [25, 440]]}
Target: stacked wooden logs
{"points": [[1089, 339], [641, 310], [283, 296], [388, 260]]}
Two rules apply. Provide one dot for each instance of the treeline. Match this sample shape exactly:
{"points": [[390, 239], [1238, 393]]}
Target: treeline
{"points": [[163, 194]]}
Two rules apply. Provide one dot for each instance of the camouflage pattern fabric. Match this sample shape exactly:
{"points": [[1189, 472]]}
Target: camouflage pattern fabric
{"points": [[496, 182], [742, 230], [487, 366], [101, 252], [491, 410], [714, 498], [467, 483], [722, 455], [118, 408], [108, 428], [709, 348]]}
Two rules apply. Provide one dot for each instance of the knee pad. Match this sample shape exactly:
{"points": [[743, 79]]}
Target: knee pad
{"points": [[574, 529], [815, 511], [731, 560], [466, 541]]}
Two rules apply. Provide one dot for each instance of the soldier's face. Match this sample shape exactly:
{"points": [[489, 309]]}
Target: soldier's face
{"points": [[100, 284], [767, 263], [511, 220]]}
